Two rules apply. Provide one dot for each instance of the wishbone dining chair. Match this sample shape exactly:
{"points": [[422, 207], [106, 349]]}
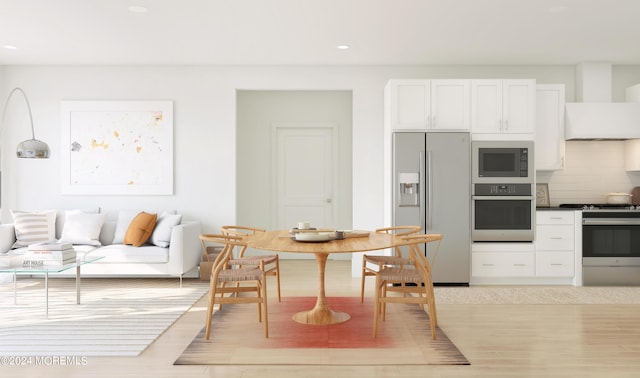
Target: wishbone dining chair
{"points": [[271, 263], [253, 280], [372, 264], [416, 282]]}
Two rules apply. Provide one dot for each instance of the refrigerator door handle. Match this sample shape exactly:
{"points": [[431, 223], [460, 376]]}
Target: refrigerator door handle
{"points": [[430, 189], [422, 183]]}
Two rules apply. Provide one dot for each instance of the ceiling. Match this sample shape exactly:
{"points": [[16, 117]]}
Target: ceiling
{"points": [[306, 32]]}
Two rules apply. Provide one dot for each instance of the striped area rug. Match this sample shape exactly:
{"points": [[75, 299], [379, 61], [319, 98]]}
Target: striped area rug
{"points": [[403, 339], [116, 317]]}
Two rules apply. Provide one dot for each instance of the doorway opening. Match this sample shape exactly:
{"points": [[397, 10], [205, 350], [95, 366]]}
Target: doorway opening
{"points": [[293, 156]]}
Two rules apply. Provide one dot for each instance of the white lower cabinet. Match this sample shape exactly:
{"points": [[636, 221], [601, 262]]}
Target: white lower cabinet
{"points": [[503, 264], [555, 264], [551, 259], [502, 260], [555, 244]]}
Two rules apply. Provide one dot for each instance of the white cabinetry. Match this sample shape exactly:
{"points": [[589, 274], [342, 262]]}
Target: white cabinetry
{"points": [[503, 106], [550, 260], [503, 264], [491, 260], [550, 145], [555, 244], [429, 104]]}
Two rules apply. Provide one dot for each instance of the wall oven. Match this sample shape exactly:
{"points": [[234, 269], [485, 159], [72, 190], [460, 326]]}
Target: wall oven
{"points": [[502, 212], [611, 246]]}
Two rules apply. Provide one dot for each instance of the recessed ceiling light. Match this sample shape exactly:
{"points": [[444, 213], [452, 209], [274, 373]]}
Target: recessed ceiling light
{"points": [[138, 9], [343, 47], [10, 47]]}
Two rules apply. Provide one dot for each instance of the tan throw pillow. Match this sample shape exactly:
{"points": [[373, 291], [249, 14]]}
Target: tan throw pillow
{"points": [[140, 229]]}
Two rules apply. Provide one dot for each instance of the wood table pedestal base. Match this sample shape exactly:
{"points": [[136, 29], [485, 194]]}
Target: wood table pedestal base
{"points": [[321, 314]]}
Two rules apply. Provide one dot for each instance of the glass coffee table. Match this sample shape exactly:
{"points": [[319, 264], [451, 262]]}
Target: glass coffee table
{"points": [[45, 270]]}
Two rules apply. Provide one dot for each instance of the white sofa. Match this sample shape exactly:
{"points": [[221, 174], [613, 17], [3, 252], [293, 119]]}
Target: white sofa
{"points": [[180, 259]]}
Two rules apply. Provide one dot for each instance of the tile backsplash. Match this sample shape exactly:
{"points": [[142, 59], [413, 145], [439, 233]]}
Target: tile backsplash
{"points": [[592, 169]]}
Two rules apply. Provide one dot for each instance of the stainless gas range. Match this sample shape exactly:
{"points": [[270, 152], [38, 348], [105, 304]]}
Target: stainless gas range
{"points": [[610, 244]]}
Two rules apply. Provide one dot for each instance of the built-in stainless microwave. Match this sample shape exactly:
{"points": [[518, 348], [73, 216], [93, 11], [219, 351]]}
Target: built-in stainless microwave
{"points": [[502, 161]]}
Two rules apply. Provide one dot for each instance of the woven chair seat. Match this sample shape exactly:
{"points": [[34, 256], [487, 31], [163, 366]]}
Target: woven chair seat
{"points": [[255, 260], [241, 274], [387, 260], [399, 275]]}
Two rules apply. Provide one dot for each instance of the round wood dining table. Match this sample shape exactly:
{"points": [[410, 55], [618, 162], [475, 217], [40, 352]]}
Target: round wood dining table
{"points": [[281, 241]]}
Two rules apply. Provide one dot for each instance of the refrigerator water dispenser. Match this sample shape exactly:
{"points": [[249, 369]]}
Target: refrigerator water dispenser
{"points": [[409, 193]]}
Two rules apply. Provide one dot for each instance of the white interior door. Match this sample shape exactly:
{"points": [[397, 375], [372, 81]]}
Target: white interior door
{"points": [[304, 172]]}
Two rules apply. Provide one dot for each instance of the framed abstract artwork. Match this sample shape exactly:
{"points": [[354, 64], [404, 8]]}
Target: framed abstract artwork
{"points": [[117, 147]]}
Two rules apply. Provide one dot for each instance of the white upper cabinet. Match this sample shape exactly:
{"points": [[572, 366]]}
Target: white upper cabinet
{"points": [[429, 104], [450, 104], [550, 144], [503, 106]]}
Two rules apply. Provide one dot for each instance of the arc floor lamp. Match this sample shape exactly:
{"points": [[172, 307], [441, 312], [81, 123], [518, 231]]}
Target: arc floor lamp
{"points": [[30, 148]]}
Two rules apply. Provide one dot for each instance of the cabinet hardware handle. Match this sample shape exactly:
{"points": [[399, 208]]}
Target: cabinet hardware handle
{"points": [[557, 264], [487, 264], [556, 238], [519, 264]]}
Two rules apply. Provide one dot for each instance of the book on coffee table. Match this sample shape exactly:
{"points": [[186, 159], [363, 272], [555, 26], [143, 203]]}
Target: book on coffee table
{"points": [[51, 255], [34, 263], [51, 245]]}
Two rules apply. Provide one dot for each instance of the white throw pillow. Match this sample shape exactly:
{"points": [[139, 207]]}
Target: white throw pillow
{"points": [[61, 218], [82, 228], [161, 236], [33, 227]]}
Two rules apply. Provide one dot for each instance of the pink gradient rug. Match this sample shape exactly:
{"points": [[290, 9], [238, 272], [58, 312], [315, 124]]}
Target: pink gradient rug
{"points": [[404, 338]]}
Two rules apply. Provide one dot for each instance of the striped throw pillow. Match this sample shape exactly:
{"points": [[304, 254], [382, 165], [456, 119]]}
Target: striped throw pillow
{"points": [[33, 227]]}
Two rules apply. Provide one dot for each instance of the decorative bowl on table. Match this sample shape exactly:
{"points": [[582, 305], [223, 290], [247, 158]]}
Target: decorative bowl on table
{"points": [[313, 236]]}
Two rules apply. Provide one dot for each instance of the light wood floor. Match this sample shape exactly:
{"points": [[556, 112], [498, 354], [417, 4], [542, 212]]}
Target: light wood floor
{"points": [[498, 340]]}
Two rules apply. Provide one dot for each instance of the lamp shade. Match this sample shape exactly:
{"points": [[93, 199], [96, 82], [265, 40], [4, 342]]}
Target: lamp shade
{"points": [[30, 148], [33, 149]]}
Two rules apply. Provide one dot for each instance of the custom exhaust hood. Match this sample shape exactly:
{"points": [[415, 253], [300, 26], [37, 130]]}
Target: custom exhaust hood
{"points": [[596, 117]]}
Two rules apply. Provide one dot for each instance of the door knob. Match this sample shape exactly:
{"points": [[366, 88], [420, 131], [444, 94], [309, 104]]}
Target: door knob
{"points": [[328, 200]]}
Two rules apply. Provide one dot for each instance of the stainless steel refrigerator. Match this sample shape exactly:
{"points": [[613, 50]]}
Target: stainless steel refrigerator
{"points": [[431, 188]]}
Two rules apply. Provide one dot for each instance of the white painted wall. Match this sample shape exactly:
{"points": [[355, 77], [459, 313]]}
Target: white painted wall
{"points": [[204, 126]]}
